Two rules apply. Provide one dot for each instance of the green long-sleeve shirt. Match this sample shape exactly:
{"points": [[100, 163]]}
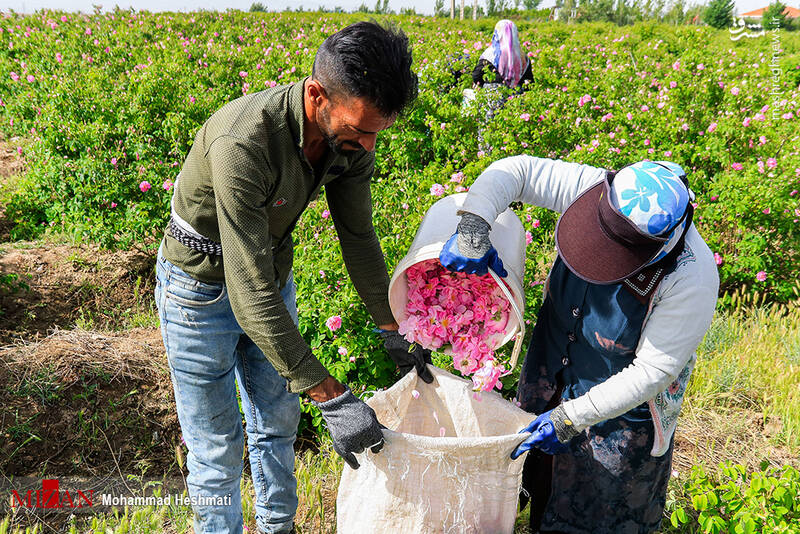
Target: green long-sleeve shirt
{"points": [[245, 184]]}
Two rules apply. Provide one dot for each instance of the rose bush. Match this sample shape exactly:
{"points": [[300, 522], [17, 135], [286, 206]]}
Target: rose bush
{"points": [[110, 102]]}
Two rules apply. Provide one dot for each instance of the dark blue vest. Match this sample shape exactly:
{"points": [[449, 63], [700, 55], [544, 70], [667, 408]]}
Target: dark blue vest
{"points": [[584, 334]]}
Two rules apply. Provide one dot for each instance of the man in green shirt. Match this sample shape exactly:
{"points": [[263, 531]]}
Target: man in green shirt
{"points": [[225, 291]]}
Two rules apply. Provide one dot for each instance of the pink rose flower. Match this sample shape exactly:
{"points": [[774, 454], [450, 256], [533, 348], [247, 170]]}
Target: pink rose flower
{"points": [[342, 351], [737, 166], [437, 190], [761, 276], [326, 214], [144, 186], [334, 323], [717, 258]]}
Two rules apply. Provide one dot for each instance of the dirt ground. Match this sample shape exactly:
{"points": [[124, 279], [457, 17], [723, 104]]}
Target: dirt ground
{"points": [[68, 284], [87, 404]]}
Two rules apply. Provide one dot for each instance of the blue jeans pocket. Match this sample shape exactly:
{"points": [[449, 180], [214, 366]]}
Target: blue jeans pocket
{"points": [[188, 291]]}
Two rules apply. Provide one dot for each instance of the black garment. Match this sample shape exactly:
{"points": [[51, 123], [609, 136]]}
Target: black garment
{"points": [[485, 67]]}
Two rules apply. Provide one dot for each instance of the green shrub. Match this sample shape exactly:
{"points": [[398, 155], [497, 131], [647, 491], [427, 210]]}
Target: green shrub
{"points": [[738, 502]]}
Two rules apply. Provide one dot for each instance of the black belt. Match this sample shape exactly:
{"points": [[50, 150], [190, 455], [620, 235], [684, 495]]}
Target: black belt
{"points": [[201, 244]]}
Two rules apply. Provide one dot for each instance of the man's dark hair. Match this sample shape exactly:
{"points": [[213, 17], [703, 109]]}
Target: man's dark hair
{"points": [[367, 60]]}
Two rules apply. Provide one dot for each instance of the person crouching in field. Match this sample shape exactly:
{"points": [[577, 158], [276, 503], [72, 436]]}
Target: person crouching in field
{"points": [[503, 61], [627, 301], [225, 290]]}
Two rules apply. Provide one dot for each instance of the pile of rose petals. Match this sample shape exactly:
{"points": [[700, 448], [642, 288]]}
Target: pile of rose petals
{"points": [[460, 311]]}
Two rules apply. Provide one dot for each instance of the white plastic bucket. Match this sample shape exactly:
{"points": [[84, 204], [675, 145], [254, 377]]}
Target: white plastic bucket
{"points": [[507, 236]]}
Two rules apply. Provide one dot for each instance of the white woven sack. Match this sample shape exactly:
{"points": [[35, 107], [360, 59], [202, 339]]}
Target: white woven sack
{"points": [[421, 483]]}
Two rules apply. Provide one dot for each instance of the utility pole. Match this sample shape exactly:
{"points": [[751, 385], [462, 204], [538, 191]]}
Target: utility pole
{"points": [[452, 9], [462, 10]]}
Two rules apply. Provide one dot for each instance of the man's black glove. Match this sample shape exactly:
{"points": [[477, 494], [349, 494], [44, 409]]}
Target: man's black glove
{"points": [[353, 426], [407, 355]]}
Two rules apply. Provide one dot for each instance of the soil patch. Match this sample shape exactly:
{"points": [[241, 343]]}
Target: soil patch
{"points": [[87, 404], [11, 161], [11, 164], [60, 285]]}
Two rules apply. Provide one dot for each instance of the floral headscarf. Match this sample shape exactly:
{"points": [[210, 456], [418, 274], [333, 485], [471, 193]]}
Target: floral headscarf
{"points": [[505, 53]]}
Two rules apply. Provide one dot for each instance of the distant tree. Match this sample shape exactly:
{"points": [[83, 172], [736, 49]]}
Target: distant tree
{"points": [[675, 12], [496, 8], [363, 8], [531, 4], [438, 9], [408, 11], [774, 16], [719, 14], [594, 10], [257, 7]]}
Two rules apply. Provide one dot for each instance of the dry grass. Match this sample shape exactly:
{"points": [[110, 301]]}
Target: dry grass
{"points": [[66, 355]]}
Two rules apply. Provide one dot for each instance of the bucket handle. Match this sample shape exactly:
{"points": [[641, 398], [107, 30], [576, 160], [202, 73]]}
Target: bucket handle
{"points": [[518, 338]]}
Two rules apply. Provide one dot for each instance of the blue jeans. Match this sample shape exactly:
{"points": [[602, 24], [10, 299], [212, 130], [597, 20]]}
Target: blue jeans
{"points": [[208, 356]]}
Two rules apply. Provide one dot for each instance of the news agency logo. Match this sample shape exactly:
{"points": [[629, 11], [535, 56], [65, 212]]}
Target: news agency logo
{"points": [[51, 497]]}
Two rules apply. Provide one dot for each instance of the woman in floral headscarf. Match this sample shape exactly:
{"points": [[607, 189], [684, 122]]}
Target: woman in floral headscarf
{"points": [[503, 61]]}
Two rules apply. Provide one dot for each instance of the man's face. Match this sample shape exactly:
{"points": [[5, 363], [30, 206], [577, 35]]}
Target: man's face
{"points": [[350, 125]]}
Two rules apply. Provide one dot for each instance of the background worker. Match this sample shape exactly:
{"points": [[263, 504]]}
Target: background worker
{"points": [[225, 290], [627, 301], [503, 61]]}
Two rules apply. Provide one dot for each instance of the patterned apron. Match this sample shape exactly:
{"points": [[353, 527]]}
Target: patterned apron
{"points": [[608, 482]]}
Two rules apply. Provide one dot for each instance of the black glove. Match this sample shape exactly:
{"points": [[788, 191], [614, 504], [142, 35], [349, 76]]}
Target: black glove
{"points": [[353, 426], [407, 356]]}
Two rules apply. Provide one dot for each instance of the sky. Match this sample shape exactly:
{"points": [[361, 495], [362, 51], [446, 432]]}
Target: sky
{"points": [[422, 6]]}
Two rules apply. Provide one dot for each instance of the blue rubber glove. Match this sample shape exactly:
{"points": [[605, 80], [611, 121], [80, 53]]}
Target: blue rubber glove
{"points": [[469, 249], [550, 433]]}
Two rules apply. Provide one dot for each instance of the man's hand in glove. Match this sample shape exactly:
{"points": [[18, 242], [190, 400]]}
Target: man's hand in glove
{"points": [[469, 249], [407, 356], [353, 426]]}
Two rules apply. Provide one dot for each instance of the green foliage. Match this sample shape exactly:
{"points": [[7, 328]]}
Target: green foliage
{"points": [[738, 502], [719, 13], [774, 16], [257, 7]]}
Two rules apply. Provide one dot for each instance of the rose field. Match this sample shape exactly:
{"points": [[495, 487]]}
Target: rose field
{"points": [[97, 113]]}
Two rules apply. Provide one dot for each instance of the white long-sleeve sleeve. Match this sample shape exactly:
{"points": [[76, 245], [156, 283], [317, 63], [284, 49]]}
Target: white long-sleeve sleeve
{"points": [[546, 183], [681, 310]]}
